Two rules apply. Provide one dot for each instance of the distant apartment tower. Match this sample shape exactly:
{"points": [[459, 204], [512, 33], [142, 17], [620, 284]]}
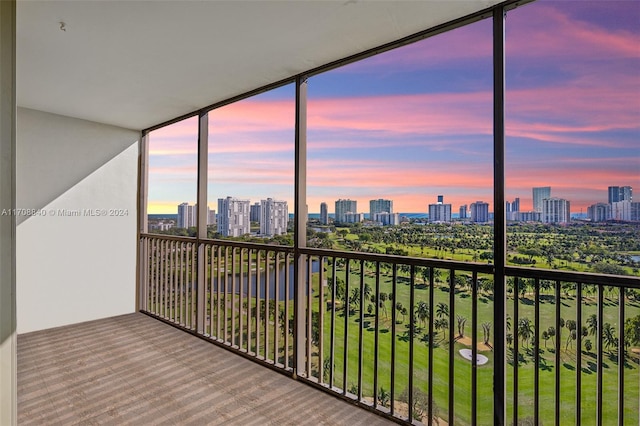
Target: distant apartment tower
{"points": [[462, 213], [211, 217], [620, 193], [528, 216], [380, 206], [480, 212], [440, 212], [233, 217], [513, 206], [161, 226], [343, 207], [512, 209], [599, 212], [274, 217], [254, 212], [556, 210], [324, 214], [625, 210], [387, 218], [540, 194], [187, 216], [353, 217]]}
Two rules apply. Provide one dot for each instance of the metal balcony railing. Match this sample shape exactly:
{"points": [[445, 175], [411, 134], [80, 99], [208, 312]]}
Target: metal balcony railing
{"points": [[410, 338]]}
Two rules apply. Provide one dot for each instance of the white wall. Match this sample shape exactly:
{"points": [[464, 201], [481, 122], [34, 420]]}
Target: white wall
{"points": [[74, 268]]}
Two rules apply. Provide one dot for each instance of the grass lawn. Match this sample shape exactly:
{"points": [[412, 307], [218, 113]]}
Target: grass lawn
{"points": [[462, 367]]}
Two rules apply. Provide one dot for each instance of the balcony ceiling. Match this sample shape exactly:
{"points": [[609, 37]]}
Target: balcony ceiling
{"points": [[135, 64]]}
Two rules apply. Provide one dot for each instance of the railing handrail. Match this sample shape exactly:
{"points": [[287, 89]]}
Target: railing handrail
{"points": [[404, 260], [577, 277], [511, 271], [221, 242], [170, 237]]}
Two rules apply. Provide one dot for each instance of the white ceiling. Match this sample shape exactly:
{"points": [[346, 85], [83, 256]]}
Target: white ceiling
{"points": [[135, 64]]}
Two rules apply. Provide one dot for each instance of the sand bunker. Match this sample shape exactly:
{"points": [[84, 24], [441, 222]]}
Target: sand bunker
{"points": [[468, 354]]}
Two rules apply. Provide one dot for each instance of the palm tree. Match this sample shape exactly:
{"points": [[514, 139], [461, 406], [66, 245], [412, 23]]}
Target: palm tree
{"points": [[367, 291], [404, 312], [425, 275], [525, 330], [422, 312], [383, 298], [442, 310], [608, 336], [354, 298], [592, 324], [486, 331], [587, 345], [461, 321], [399, 309], [551, 331], [572, 326], [509, 339], [573, 335], [545, 336], [441, 324]]}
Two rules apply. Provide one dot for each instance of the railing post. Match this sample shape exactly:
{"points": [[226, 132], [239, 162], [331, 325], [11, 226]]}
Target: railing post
{"points": [[300, 225], [499, 242], [203, 142]]}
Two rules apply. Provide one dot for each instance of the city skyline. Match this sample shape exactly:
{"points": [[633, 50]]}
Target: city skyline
{"points": [[417, 121], [510, 207]]}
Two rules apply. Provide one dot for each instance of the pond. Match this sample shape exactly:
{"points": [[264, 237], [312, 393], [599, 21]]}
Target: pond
{"points": [[230, 283]]}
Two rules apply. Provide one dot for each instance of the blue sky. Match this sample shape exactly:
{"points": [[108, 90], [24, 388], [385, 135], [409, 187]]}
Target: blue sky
{"points": [[416, 122]]}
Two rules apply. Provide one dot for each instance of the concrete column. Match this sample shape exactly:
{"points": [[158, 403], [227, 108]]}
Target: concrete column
{"points": [[8, 382], [300, 228], [143, 223], [203, 158]]}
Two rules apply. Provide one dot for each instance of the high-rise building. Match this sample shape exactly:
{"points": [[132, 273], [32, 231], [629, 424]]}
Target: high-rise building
{"points": [[540, 194], [385, 218], [513, 206], [625, 210], [620, 193], [254, 212], [463, 212], [556, 210], [599, 212], [211, 217], [233, 217], [274, 217], [512, 209], [324, 214], [379, 206], [440, 212], [187, 216], [528, 216], [353, 217], [480, 212], [343, 207]]}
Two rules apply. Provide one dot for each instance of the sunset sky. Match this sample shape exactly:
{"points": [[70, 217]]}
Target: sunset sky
{"points": [[416, 122]]}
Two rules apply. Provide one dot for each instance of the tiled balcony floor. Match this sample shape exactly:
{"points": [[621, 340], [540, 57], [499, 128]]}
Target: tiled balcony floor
{"points": [[133, 369]]}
